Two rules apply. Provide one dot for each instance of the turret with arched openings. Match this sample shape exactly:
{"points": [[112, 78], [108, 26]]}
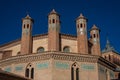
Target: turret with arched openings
{"points": [[53, 31], [82, 42], [95, 40], [26, 39]]}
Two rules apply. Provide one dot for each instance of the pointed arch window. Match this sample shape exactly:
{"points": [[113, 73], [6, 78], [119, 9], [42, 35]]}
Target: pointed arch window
{"points": [[32, 73], [66, 49], [75, 72], [40, 49], [29, 72], [72, 73]]}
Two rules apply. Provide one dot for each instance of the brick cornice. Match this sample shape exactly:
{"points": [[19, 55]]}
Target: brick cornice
{"points": [[68, 36], [10, 44], [56, 56], [47, 56], [40, 36]]}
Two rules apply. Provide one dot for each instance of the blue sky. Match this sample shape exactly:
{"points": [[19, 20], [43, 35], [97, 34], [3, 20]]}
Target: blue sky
{"points": [[103, 13]]}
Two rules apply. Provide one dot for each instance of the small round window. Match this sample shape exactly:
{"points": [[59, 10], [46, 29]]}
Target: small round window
{"points": [[18, 53], [66, 49], [41, 49]]}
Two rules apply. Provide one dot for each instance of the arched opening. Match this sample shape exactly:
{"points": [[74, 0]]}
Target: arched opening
{"points": [[27, 26], [66, 49], [24, 26], [81, 25], [29, 72], [53, 21], [94, 35], [32, 73], [40, 49], [109, 58], [75, 72], [18, 53], [72, 73]]}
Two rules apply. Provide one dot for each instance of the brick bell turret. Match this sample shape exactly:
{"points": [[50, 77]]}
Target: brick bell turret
{"points": [[95, 40], [82, 41], [26, 39], [53, 31]]}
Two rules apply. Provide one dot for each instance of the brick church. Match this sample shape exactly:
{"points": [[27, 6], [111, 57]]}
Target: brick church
{"points": [[57, 56]]}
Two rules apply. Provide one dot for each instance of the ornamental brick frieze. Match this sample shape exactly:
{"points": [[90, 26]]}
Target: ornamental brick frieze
{"points": [[24, 59], [49, 55], [75, 57]]}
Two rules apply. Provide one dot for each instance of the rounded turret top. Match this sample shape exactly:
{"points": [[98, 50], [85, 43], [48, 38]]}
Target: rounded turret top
{"points": [[81, 17], [94, 27], [28, 17], [53, 12]]}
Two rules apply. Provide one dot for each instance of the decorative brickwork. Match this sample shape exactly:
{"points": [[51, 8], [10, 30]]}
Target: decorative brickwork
{"points": [[53, 31], [89, 67], [57, 56], [61, 65], [82, 41], [26, 39], [19, 68], [8, 69], [95, 40], [42, 65]]}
